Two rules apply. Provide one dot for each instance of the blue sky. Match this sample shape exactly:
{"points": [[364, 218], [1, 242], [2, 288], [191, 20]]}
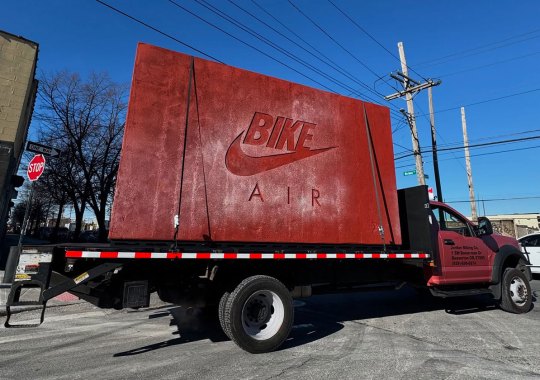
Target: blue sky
{"points": [[481, 50]]}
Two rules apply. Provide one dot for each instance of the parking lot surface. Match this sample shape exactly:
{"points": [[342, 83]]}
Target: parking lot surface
{"points": [[372, 335]]}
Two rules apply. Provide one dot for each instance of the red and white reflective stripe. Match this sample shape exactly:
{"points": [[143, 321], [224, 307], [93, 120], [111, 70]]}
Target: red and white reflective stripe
{"points": [[233, 255]]}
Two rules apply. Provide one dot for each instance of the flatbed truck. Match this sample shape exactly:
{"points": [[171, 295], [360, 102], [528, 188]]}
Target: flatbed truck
{"points": [[242, 192]]}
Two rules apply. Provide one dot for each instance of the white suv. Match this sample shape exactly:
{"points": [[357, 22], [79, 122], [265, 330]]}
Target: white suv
{"points": [[531, 245]]}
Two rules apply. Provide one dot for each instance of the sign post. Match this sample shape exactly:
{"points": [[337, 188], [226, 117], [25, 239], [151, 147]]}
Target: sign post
{"points": [[35, 169], [42, 149]]}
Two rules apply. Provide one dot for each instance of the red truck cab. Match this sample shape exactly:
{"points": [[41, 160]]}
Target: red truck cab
{"points": [[472, 254]]}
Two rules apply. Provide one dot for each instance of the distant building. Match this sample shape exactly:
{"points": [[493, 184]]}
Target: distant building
{"points": [[18, 87], [515, 225], [64, 222]]}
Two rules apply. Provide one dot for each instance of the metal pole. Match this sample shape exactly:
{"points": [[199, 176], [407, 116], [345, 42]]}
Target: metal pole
{"points": [[474, 216], [434, 147], [410, 110], [26, 216]]}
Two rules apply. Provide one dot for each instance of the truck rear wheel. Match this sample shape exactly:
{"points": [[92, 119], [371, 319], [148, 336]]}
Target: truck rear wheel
{"points": [[516, 292], [259, 314], [221, 312]]}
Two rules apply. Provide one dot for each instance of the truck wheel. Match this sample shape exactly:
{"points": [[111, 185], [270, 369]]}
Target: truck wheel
{"points": [[516, 292], [259, 314], [221, 311]]}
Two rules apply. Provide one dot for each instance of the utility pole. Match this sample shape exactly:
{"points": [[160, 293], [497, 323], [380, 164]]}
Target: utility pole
{"points": [[410, 110], [434, 147], [411, 87], [474, 216]]}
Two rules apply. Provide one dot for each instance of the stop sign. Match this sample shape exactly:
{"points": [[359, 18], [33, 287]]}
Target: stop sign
{"points": [[35, 167]]}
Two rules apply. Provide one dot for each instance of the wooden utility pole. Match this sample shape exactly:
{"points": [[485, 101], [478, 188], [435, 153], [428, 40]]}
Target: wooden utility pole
{"points": [[410, 110], [474, 216], [434, 147], [410, 87]]}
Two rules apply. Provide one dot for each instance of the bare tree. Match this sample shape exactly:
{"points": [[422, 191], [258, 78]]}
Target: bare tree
{"points": [[55, 187], [84, 119], [36, 216], [17, 216]]}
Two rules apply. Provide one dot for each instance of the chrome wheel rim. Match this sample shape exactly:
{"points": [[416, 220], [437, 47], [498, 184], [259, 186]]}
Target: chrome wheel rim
{"points": [[518, 291]]}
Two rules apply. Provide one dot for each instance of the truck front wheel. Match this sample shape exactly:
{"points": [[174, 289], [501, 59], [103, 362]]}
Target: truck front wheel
{"points": [[259, 314], [516, 292]]}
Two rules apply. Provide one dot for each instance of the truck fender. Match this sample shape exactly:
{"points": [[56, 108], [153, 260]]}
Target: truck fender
{"points": [[508, 256]]}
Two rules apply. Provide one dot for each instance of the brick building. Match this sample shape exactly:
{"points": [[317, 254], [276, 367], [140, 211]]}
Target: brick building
{"points": [[18, 87]]}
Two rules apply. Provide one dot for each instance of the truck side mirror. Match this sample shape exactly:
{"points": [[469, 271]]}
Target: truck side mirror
{"points": [[484, 226]]}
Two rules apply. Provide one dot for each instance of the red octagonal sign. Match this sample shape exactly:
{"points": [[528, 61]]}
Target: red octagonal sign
{"points": [[36, 167]]}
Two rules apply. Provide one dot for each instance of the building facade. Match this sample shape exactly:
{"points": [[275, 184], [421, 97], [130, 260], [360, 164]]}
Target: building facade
{"points": [[18, 88], [515, 225]]}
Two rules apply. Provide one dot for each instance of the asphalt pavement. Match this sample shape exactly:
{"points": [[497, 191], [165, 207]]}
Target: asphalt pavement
{"points": [[383, 335]]}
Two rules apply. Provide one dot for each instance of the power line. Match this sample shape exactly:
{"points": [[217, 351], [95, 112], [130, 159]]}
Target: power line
{"points": [[490, 137], [158, 31], [306, 42], [483, 144], [487, 65], [257, 35], [401, 124], [372, 37], [480, 52], [496, 199], [267, 41], [488, 100], [454, 157], [249, 45], [483, 47], [330, 62], [326, 62], [403, 147], [206, 54], [442, 138], [478, 155], [261, 38], [333, 39]]}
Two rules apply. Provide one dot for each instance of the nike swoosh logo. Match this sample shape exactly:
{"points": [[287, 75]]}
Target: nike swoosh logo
{"points": [[242, 164]]}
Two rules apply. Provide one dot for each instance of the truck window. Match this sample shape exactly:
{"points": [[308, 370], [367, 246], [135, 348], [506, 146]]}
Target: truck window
{"points": [[451, 222]]}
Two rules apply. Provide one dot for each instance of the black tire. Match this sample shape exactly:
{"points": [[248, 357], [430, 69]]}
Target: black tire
{"points": [[259, 314], [221, 312], [516, 292]]}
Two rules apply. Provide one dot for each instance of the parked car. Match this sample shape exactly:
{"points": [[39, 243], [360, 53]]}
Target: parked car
{"points": [[48, 233], [44, 233], [90, 236], [63, 234], [531, 245]]}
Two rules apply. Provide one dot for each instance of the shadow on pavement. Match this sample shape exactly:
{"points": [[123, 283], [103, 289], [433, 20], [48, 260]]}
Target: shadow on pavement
{"points": [[319, 316], [193, 324]]}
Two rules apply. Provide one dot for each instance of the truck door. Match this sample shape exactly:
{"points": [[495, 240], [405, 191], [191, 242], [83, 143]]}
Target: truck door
{"points": [[464, 257]]}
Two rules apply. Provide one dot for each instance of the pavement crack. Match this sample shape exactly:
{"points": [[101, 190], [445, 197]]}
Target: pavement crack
{"points": [[287, 369]]}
